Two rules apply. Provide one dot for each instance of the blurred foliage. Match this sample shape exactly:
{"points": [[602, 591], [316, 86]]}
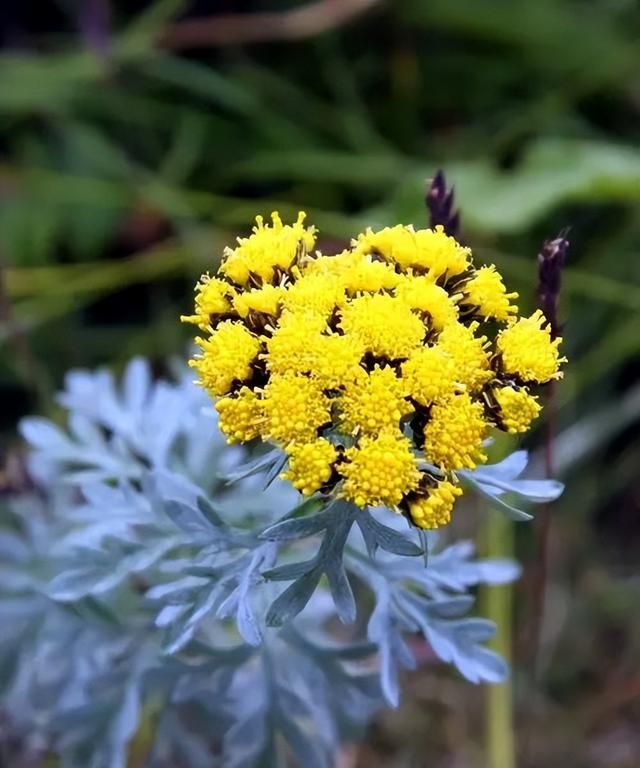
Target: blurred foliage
{"points": [[125, 166]]}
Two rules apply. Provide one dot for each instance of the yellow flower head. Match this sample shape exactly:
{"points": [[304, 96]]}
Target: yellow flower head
{"points": [[421, 293], [454, 434], [226, 357], [292, 347], [310, 465], [213, 298], [295, 407], [517, 408], [365, 274], [336, 360], [240, 416], [468, 353], [425, 250], [527, 350], [366, 364], [270, 248], [334, 265], [430, 375], [379, 471], [441, 254], [301, 343], [385, 325], [265, 300], [354, 272], [314, 294], [434, 509], [375, 403], [396, 245], [486, 291]]}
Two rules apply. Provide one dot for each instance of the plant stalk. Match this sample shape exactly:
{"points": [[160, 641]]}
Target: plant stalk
{"points": [[497, 537]]}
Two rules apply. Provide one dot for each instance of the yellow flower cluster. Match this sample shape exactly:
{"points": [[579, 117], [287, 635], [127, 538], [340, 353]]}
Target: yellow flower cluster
{"points": [[379, 370], [433, 509], [311, 465]]}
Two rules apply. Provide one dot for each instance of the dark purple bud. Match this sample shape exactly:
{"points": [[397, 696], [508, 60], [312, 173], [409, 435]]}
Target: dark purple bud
{"points": [[550, 262], [94, 23], [440, 204]]}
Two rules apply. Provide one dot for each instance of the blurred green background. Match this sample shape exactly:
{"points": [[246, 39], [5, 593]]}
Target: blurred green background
{"points": [[137, 139]]}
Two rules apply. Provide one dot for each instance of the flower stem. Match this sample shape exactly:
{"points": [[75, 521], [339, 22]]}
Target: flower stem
{"points": [[498, 541], [540, 566]]}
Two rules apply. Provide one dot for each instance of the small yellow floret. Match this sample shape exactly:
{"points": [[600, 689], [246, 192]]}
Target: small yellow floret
{"points": [[434, 509], [365, 275], [468, 353], [213, 298], [486, 291], [335, 265], [226, 357], [379, 471], [240, 416], [310, 465], [423, 294], [376, 402], [314, 293], [424, 250], [440, 253], [294, 407], [265, 300], [385, 325], [292, 348], [528, 351], [335, 360], [430, 375], [300, 345], [270, 248], [517, 408], [454, 433], [395, 244]]}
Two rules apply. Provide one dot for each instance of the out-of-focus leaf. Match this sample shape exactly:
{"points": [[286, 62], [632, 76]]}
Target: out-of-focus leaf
{"points": [[492, 495], [94, 574], [508, 201], [552, 36]]}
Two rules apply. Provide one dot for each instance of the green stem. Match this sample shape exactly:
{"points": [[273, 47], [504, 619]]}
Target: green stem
{"points": [[499, 735], [498, 541]]}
